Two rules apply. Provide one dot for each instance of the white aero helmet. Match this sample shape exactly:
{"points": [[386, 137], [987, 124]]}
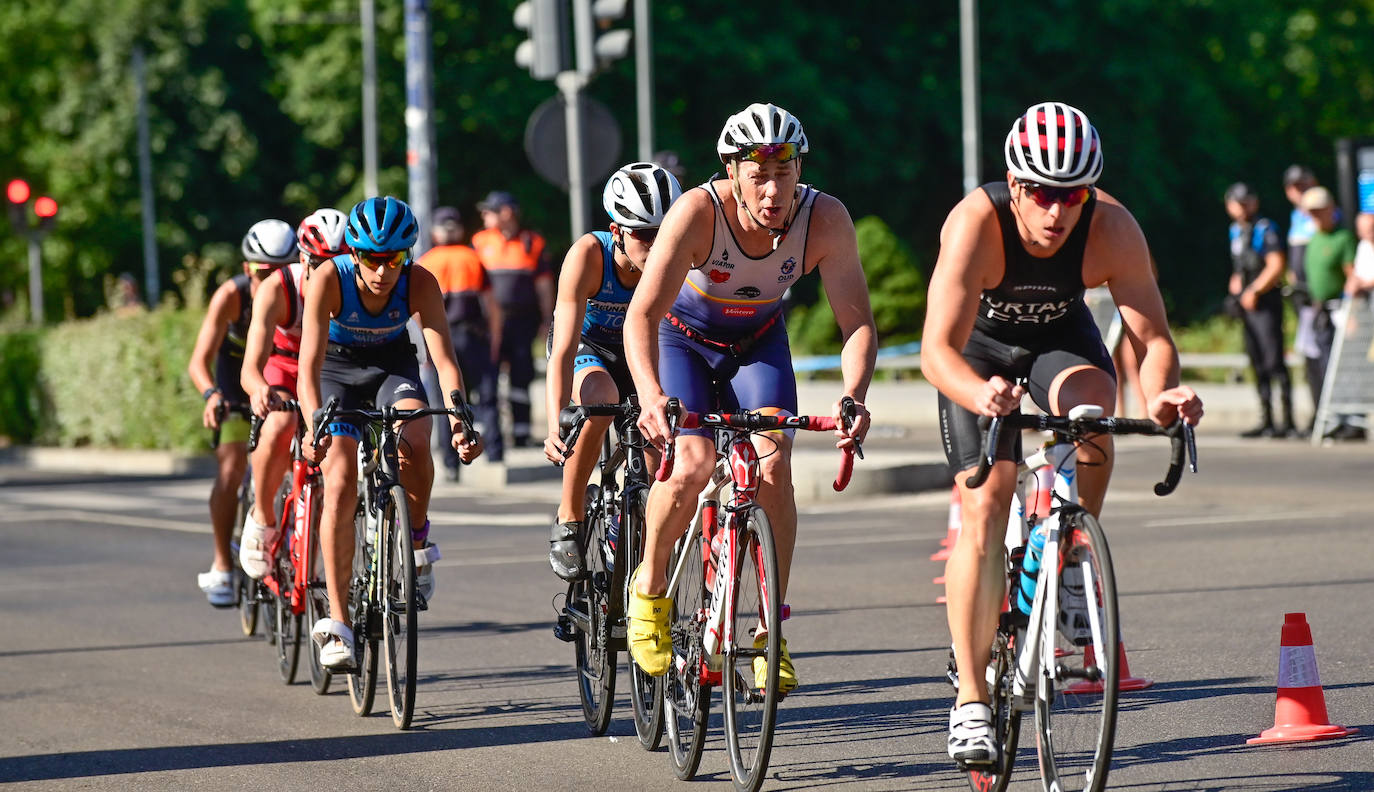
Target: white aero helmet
{"points": [[639, 194], [760, 125], [1054, 144], [270, 242], [321, 234]]}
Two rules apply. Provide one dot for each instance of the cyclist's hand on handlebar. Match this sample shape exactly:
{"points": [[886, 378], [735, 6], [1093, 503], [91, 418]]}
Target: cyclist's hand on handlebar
{"points": [[314, 454], [264, 400], [1175, 403], [466, 451], [554, 449], [998, 397], [858, 429], [210, 417], [653, 420]]}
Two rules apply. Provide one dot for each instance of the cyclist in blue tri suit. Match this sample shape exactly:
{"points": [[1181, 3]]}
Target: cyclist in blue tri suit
{"points": [[724, 257], [586, 352], [354, 345]]}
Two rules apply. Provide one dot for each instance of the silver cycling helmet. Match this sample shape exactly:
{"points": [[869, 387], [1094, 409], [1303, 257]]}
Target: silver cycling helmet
{"points": [[270, 242], [639, 194], [760, 124], [1054, 144]]}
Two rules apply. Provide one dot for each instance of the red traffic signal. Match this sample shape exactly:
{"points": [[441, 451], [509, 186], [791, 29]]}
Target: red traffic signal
{"points": [[17, 191], [45, 207]]}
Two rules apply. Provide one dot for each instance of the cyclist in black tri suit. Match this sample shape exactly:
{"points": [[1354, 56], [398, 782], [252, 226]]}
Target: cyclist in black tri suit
{"points": [[267, 246], [1006, 301]]}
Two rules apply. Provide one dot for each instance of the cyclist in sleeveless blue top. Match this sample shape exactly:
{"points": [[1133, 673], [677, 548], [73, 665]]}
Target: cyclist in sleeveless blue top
{"points": [[354, 345], [598, 277], [1006, 301], [724, 257]]}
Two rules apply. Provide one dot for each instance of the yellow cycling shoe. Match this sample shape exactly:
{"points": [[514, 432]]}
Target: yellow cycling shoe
{"points": [[651, 645], [787, 675]]}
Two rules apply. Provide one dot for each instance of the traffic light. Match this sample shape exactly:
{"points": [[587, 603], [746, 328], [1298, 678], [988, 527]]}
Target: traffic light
{"points": [[17, 191], [543, 52], [597, 43], [46, 209]]}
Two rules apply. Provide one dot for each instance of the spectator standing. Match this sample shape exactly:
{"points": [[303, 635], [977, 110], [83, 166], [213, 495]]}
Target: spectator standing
{"points": [[1361, 280], [1257, 263], [1329, 261], [522, 280], [474, 322]]}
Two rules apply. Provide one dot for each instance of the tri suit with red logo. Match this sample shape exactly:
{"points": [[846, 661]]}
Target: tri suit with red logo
{"points": [[369, 361], [726, 326], [1034, 324], [284, 362]]}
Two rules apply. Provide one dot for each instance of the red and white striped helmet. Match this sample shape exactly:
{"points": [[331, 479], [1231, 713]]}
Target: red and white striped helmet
{"points": [[322, 233], [1054, 144]]}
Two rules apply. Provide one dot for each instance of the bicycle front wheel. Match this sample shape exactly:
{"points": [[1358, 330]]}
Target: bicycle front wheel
{"points": [[646, 692], [686, 696], [1075, 717], [751, 690], [316, 597], [362, 686], [589, 598], [245, 588], [399, 603]]}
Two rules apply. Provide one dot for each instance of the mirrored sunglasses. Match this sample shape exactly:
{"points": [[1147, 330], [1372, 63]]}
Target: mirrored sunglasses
{"points": [[1046, 196], [390, 259], [645, 235], [782, 152]]}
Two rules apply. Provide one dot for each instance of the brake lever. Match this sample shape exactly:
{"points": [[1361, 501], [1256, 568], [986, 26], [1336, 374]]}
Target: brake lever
{"points": [[849, 411]]}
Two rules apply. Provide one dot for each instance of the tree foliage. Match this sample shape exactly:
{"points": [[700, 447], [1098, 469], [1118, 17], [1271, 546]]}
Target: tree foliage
{"points": [[256, 111]]}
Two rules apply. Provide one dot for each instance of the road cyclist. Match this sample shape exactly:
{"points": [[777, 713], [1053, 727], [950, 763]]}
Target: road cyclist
{"points": [[707, 311], [355, 347], [215, 365], [1006, 301]]}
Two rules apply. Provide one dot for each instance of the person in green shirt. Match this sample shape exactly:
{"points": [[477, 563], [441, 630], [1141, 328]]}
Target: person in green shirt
{"points": [[1329, 260]]}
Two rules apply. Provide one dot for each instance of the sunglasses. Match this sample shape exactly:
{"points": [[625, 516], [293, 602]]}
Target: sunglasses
{"points": [[1045, 196], [782, 152], [314, 261], [390, 259], [263, 268], [645, 235]]}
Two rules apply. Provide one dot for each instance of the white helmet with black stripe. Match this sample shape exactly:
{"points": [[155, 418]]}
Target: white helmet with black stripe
{"points": [[760, 124], [1054, 144], [639, 194], [269, 242]]}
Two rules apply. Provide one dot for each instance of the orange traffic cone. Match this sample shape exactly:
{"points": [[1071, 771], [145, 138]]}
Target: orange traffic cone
{"points": [[1125, 680], [1300, 712], [951, 528]]}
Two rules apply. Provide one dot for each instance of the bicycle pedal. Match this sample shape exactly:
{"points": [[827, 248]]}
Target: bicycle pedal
{"points": [[564, 630]]}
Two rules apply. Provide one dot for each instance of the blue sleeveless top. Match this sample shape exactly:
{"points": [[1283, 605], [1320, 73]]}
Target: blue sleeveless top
{"points": [[604, 321], [355, 326]]}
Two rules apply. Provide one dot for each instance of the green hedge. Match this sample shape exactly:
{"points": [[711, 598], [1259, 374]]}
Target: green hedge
{"points": [[104, 382]]}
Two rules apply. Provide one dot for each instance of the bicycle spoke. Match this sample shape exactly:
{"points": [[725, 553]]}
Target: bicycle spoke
{"points": [[399, 603], [646, 692], [686, 698], [751, 697], [590, 597]]}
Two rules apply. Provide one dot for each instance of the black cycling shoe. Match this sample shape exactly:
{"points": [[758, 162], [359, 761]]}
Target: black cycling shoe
{"points": [[565, 555]]}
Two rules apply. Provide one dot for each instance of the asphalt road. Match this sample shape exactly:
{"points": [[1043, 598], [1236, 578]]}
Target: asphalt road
{"points": [[114, 673]]}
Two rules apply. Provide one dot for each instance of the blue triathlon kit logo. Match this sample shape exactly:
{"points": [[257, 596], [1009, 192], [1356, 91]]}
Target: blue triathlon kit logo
{"points": [[394, 314], [787, 268], [353, 317]]}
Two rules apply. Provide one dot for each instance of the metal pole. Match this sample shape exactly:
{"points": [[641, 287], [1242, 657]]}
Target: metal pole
{"points": [[36, 279], [152, 289], [419, 118], [369, 24], [968, 75], [644, 78], [571, 83]]}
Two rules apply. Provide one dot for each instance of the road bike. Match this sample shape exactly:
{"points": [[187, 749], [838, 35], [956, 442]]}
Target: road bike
{"points": [[1062, 660], [383, 600], [294, 581], [726, 608], [593, 614]]}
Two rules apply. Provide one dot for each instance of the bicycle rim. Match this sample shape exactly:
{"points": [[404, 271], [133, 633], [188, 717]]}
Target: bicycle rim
{"points": [[399, 624], [686, 700], [1006, 723], [316, 598], [750, 710], [246, 588], [362, 686], [1076, 722], [288, 627], [596, 660], [646, 692]]}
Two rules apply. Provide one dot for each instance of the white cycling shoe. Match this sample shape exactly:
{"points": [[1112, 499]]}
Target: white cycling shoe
{"points": [[335, 640], [218, 586], [971, 739], [257, 538], [424, 570]]}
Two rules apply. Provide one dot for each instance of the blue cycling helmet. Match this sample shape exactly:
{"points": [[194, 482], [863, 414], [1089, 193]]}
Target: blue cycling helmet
{"points": [[381, 224]]}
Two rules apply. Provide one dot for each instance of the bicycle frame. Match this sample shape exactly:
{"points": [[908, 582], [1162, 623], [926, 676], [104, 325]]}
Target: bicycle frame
{"points": [[306, 488]]}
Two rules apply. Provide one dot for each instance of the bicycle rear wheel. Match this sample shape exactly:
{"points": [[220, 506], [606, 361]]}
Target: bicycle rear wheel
{"points": [[1075, 719], [399, 603], [245, 588], [316, 597], [686, 696], [1006, 721], [646, 692], [362, 686], [589, 598], [750, 708]]}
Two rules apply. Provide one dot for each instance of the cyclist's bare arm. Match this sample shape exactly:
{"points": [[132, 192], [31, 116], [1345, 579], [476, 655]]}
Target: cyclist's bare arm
{"points": [[428, 303], [224, 305], [578, 281], [321, 302], [832, 245], [269, 310], [1118, 256], [683, 240], [971, 260]]}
